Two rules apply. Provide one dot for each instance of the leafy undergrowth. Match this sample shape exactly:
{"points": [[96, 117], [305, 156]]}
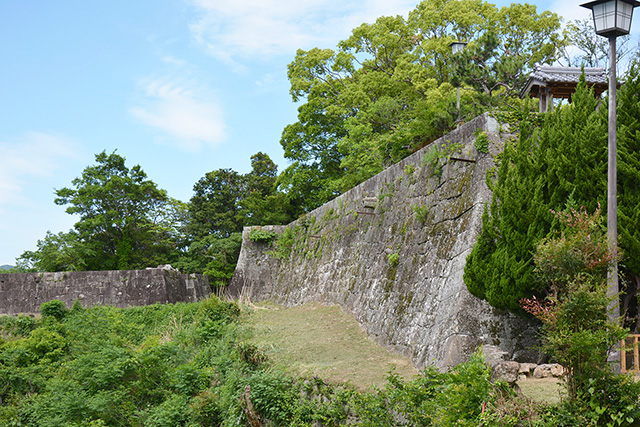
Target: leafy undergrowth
{"points": [[324, 341], [203, 364]]}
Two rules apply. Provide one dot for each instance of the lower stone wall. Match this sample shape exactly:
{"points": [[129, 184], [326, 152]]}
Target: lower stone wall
{"points": [[25, 292], [392, 251]]}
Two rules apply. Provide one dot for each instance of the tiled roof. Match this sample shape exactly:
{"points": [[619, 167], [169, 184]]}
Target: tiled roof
{"points": [[550, 74], [563, 80]]}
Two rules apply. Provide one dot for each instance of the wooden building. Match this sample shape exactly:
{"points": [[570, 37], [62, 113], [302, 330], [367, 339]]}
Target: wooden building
{"points": [[547, 82]]}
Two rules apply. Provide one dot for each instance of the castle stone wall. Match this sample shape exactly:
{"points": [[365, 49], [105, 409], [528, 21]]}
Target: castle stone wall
{"points": [[25, 292], [392, 251]]}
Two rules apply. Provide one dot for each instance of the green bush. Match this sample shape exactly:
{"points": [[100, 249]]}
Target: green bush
{"points": [[257, 234], [55, 308]]}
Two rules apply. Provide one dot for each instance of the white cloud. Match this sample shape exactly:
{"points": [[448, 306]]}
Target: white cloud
{"points": [[243, 29], [569, 10], [35, 155], [182, 112]]}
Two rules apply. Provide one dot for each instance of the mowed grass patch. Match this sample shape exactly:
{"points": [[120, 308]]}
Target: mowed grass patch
{"points": [[324, 341], [543, 390]]}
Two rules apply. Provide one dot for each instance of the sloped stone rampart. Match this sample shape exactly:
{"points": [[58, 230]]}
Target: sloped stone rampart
{"points": [[392, 251], [25, 292]]}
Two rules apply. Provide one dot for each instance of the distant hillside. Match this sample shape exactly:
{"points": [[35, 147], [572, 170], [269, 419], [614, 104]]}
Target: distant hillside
{"points": [[6, 267]]}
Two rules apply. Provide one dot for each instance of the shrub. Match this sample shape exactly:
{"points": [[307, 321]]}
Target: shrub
{"points": [[262, 236], [55, 308]]}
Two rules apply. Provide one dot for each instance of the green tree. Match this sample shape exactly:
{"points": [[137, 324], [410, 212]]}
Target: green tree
{"points": [[56, 252], [124, 221], [386, 90], [213, 209], [225, 201], [261, 203], [560, 164]]}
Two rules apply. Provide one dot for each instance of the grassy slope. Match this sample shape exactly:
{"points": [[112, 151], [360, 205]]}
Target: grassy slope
{"points": [[326, 342], [329, 343]]}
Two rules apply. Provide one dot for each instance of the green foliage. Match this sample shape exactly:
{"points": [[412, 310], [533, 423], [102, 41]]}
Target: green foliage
{"points": [[421, 212], [389, 88], [393, 258], [262, 236], [283, 245], [124, 221], [436, 156], [189, 364], [563, 162], [554, 165], [577, 331], [56, 252], [482, 142], [55, 308], [224, 202]]}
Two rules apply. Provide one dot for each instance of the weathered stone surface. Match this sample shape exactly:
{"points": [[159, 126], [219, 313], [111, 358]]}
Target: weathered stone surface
{"points": [[494, 355], [548, 370], [506, 371], [25, 292], [392, 251], [527, 368]]}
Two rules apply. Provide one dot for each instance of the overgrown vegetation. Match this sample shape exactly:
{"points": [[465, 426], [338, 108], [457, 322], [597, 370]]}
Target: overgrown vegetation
{"points": [[578, 333], [260, 235], [197, 365], [558, 164]]}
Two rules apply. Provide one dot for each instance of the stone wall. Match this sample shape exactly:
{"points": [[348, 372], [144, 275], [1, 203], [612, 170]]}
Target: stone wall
{"points": [[25, 292], [392, 251]]}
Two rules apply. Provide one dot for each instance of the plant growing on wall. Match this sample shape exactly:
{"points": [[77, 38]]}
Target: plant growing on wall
{"points": [[258, 234]]}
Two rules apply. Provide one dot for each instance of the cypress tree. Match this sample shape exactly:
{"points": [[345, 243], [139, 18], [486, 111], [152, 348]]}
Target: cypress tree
{"points": [[560, 164]]}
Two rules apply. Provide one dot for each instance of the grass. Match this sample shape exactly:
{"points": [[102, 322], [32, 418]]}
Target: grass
{"points": [[543, 390], [324, 341]]}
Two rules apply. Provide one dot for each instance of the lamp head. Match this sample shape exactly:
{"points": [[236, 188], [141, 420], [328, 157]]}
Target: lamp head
{"points": [[457, 46], [612, 18]]}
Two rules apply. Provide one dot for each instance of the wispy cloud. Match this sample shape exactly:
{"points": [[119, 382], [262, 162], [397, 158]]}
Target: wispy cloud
{"points": [[184, 113], [237, 30], [35, 155]]}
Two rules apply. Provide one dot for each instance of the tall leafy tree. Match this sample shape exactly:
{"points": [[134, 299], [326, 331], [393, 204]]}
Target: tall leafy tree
{"points": [[213, 209], [225, 201], [261, 203], [123, 215], [386, 90]]}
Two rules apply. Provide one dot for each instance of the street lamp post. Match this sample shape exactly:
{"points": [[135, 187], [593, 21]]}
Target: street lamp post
{"points": [[612, 18], [455, 48]]}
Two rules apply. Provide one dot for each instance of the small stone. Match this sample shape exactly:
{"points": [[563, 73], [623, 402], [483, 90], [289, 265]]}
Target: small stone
{"points": [[548, 370]]}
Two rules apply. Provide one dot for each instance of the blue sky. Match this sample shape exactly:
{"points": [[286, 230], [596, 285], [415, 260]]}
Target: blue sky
{"points": [[181, 87]]}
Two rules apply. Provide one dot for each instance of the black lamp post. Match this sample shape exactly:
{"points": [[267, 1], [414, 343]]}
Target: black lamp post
{"points": [[455, 48]]}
